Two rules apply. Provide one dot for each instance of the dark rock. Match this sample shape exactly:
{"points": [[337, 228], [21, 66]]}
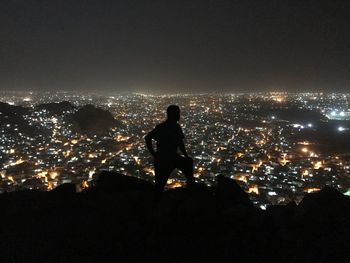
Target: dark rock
{"points": [[327, 204], [117, 221], [56, 108], [93, 121], [14, 116], [64, 189], [229, 193], [9, 110], [111, 182]]}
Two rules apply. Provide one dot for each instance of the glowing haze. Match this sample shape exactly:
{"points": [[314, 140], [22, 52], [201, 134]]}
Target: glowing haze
{"points": [[175, 46]]}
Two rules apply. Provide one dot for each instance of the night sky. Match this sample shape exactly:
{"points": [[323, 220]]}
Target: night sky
{"points": [[175, 46]]}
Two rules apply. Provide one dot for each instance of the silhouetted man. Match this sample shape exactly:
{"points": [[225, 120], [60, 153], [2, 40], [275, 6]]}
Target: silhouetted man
{"points": [[169, 138]]}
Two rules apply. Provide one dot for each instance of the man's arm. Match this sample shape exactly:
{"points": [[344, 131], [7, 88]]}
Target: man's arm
{"points": [[148, 139], [183, 148]]}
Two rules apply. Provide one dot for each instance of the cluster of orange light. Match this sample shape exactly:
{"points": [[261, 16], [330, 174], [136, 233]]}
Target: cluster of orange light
{"points": [[318, 165], [238, 155], [50, 186], [241, 178], [121, 138], [256, 166], [128, 147], [305, 173], [199, 172], [311, 190], [278, 98], [10, 178], [42, 175], [92, 172], [137, 160], [261, 142], [85, 184], [304, 143], [92, 155], [19, 161], [304, 150], [284, 160], [175, 185], [253, 189], [149, 170], [53, 175]]}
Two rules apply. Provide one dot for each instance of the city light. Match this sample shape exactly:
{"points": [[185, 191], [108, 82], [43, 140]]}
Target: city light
{"points": [[304, 150], [225, 134]]}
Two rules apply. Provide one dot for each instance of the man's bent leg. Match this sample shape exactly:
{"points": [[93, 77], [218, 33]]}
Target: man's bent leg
{"points": [[185, 165], [162, 172]]}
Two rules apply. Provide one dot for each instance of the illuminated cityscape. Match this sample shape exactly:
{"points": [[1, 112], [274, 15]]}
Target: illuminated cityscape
{"points": [[277, 146]]}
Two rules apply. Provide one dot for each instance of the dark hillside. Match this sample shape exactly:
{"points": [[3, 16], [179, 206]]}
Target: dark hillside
{"points": [[117, 220]]}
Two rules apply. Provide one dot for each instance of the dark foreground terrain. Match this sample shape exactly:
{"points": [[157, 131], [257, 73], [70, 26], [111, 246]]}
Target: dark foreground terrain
{"points": [[118, 220]]}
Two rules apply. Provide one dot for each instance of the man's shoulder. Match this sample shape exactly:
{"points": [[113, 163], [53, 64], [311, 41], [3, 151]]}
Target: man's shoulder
{"points": [[155, 131], [160, 125]]}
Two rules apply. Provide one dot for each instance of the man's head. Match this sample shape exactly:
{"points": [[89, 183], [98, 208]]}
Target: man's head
{"points": [[173, 113]]}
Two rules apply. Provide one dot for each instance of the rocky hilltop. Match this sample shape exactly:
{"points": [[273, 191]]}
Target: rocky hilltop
{"points": [[118, 220], [12, 120], [56, 108], [87, 119], [91, 120]]}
